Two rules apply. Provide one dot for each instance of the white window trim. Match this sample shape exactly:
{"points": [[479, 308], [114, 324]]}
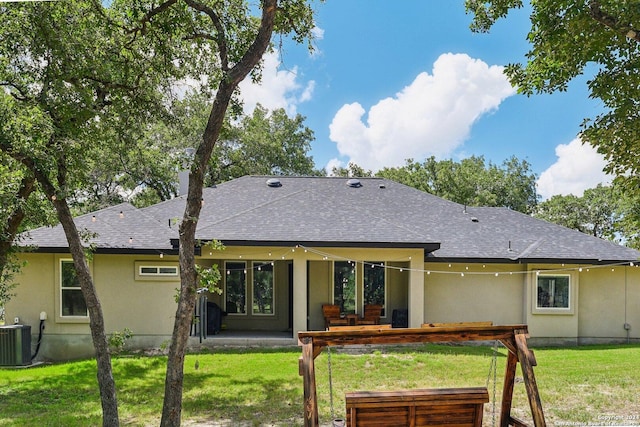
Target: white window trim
{"points": [[61, 314], [158, 271], [246, 294], [168, 277], [386, 286], [573, 279], [333, 284], [254, 265]]}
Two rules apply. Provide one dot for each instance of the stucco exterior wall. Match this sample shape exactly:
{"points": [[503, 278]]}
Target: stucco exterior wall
{"points": [[603, 299], [147, 307], [609, 299], [479, 295], [552, 326], [319, 292]]}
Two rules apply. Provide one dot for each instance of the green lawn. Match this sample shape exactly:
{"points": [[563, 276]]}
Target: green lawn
{"points": [[580, 385]]}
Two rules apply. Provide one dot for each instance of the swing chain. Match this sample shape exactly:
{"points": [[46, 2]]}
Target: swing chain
{"points": [[493, 369]]}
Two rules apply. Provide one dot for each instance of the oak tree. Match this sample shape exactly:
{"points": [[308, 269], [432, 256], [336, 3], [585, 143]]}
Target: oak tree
{"points": [[600, 38], [471, 181], [70, 69]]}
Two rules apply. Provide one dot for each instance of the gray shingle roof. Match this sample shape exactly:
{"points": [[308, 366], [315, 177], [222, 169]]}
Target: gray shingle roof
{"points": [[120, 228], [326, 211]]}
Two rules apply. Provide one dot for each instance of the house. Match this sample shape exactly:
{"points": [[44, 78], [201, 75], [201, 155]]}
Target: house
{"points": [[295, 243]]}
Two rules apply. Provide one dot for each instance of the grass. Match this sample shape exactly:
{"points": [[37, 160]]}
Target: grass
{"points": [[580, 385]]}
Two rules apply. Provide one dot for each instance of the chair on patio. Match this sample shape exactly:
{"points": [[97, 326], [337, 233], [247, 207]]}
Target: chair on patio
{"points": [[332, 317], [371, 316]]}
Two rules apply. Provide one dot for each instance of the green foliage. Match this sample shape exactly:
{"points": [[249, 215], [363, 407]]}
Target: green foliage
{"points": [[472, 181], [209, 277], [596, 212], [264, 143], [573, 37], [118, 340], [607, 212], [254, 386], [352, 170]]}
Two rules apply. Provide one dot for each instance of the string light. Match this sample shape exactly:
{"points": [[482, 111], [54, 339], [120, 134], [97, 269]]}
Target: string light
{"points": [[325, 256]]}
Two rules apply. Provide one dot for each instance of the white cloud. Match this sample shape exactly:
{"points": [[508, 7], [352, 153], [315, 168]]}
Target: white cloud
{"points": [[278, 88], [579, 167], [431, 116], [333, 163], [317, 32]]}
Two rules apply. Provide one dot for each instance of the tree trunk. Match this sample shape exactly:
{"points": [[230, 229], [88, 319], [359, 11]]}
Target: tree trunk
{"points": [[172, 407], [106, 382]]}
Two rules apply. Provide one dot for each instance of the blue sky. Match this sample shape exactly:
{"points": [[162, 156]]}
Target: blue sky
{"points": [[395, 80]]}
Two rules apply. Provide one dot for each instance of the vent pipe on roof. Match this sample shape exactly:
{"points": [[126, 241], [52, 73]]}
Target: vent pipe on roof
{"points": [[354, 183], [274, 183]]}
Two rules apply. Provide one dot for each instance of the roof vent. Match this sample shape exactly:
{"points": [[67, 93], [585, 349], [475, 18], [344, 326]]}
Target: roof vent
{"points": [[474, 219], [382, 186], [274, 182], [354, 183]]}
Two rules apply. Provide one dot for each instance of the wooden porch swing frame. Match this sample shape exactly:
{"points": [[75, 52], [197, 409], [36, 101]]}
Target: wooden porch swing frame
{"points": [[514, 338]]}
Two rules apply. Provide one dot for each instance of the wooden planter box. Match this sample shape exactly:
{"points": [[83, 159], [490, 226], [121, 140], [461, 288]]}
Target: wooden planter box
{"points": [[421, 407]]}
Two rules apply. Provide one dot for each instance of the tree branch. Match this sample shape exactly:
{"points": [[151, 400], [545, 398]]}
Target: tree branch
{"points": [[149, 15], [259, 45], [611, 22], [21, 95], [221, 38]]}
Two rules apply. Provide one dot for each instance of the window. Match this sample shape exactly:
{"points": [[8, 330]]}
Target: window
{"points": [[158, 270], [263, 287], [374, 283], [344, 286], [553, 291], [71, 299], [154, 271], [235, 287]]}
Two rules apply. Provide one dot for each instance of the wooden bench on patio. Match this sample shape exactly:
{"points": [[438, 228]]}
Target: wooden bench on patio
{"points": [[421, 407]]}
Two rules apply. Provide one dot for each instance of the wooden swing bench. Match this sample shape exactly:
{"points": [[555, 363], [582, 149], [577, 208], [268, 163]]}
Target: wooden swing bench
{"points": [[424, 407]]}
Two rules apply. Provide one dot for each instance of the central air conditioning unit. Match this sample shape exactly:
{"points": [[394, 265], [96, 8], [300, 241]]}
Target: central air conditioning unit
{"points": [[15, 345]]}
